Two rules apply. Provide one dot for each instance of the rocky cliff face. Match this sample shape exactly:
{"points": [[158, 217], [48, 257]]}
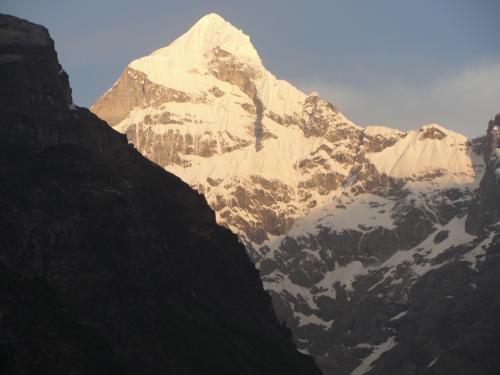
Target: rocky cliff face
{"points": [[109, 264], [360, 234], [485, 209]]}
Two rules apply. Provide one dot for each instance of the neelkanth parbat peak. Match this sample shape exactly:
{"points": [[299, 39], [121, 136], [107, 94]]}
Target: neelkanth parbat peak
{"points": [[207, 33], [343, 222], [193, 51], [218, 118], [212, 56], [210, 95]]}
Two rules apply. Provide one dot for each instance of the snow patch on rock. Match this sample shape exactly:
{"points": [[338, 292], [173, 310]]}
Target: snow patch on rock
{"points": [[378, 350]]}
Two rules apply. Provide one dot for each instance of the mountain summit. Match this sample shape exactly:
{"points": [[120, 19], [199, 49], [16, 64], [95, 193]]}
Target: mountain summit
{"points": [[215, 74], [191, 49], [347, 225]]}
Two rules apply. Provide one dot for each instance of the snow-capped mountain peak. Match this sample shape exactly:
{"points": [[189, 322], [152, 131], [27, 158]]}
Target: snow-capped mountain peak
{"points": [[213, 57], [213, 31], [210, 38], [315, 198]]}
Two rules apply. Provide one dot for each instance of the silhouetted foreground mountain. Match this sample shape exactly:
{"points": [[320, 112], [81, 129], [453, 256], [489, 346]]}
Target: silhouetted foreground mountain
{"points": [[109, 264]]}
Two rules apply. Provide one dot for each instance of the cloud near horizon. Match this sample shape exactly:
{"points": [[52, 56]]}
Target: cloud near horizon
{"points": [[469, 95]]}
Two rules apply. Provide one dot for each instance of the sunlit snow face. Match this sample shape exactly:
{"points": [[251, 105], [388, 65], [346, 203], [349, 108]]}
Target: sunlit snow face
{"points": [[306, 148]]}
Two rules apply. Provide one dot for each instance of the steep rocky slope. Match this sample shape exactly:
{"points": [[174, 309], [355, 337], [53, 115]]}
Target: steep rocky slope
{"points": [[356, 231], [109, 264], [446, 322]]}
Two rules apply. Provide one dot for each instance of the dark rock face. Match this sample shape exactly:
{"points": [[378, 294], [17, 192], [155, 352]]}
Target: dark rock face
{"points": [[432, 133], [108, 264], [450, 326], [379, 143], [485, 208], [441, 236], [445, 320]]}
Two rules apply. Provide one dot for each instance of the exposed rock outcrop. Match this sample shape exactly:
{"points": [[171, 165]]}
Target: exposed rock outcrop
{"points": [[115, 106], [485, 208]]}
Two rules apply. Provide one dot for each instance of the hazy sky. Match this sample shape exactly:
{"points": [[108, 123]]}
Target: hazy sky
{"points": [[398, 63]]}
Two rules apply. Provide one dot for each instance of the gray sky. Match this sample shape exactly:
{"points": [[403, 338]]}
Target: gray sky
{"points": [[398, 63]]}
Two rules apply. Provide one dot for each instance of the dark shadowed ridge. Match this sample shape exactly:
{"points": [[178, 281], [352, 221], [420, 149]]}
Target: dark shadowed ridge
{"points": [[109, 264]]}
